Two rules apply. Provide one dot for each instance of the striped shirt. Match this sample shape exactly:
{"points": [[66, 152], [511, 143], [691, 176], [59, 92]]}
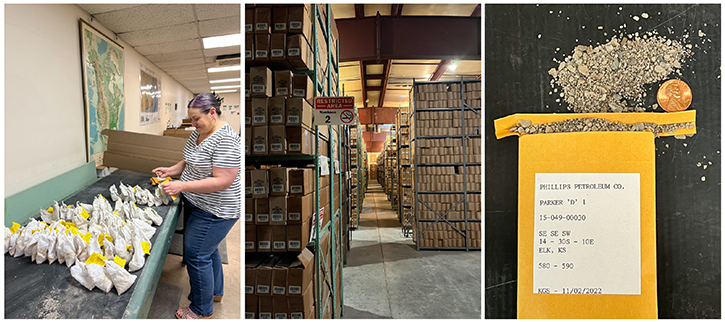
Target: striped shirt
{"points": [[223, 149]]}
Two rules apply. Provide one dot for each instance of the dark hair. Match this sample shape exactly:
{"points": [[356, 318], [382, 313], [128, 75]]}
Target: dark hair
{"points": [[205, 101]]}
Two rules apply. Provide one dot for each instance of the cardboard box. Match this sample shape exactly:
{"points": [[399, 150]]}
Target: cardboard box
{"points": [[260, 140], [248, 48], [248, 210], [264, 277], [278, 179], [261, 211], [277, 107], [250, 275], [260, 111], [261, 78], [248, 21], [251, 306], [299, 53], [299, 141], [263, 20], [298, 236], [278, 47], [279, 275], [259, 183], [300, 209], [277, 139], [300, 19], [299, 112], [279, 238], [141, 152], [300, 274], [247, 141], [266, 307], [247, 87], [303, 87], [283, 83], [264, 238], [261, 47], [248, 112], [300, 182], [279, 19], [248, 183], [183, 133], [302, 307], [250, 237], [278, 210], [280, 309]]}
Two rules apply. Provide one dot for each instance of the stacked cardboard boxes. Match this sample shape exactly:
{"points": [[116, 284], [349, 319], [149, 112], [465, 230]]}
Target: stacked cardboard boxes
{"points": [[448, 95], [279, 287]]}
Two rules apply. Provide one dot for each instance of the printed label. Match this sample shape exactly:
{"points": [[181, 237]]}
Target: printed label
{"points": [[248, 190], [248, 27], [295, 216], [278, 290], [261, 53], [296, 315], [293, 119], [266, 315], [246, 149], [280, 245], [247, 120], [276, 147], [292, 52], [260, 147], [295, 147], [277, 217], [280, 26], [296, 189], [282, 91], [258, 88], [247, 54], [280, 315], [277, 52], [260, 119], [249, 245], [278, 188], [262, 26], [295, 25], [263, 289], [264, 245], [249, 315], [248, 289], [262, 217], [298, 93], [295, 290], [248, 217], [259, 190], [246, 92], [294, 244]]}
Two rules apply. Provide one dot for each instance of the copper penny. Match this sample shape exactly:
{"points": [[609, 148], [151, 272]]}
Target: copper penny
{"points": [[674, 96]]}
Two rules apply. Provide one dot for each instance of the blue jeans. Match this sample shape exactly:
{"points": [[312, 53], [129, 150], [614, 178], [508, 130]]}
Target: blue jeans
{"points": [[202, 234]]}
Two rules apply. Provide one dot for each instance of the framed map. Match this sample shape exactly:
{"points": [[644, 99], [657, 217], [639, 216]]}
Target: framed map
{"points": [[102, 67], [150, 90]]}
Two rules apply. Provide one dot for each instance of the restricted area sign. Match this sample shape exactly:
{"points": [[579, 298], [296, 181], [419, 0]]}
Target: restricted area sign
{"points": [[335, 110]]}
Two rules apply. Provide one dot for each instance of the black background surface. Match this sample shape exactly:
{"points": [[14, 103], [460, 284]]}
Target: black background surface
{"points": [[688, 209]]}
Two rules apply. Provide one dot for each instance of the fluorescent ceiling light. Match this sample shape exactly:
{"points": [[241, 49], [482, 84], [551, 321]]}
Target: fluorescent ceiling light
{"points": [[222, 41], [224, 69], [226, 91], [452, 67], [225, 80], [427, 75], [225, 87]]}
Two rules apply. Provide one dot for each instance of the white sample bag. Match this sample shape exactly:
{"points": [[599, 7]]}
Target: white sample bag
{"points": [[121, 278], [80, 273]]}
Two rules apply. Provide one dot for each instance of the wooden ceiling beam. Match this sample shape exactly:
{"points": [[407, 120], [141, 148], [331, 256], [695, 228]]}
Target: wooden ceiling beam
{"points": [[386, 73], [396, 10], [363, 83], [439, 70], [359, 11]]}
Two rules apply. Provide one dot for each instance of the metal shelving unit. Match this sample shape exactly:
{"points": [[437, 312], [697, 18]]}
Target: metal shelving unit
{"points": [[358, 164], [421, 225]]}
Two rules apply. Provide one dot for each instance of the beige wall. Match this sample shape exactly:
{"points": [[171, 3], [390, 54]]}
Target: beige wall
{"points": [[44, 111]]}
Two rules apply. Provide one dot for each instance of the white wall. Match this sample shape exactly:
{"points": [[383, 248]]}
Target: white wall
{"points": [[44, 111], [235, 121]]}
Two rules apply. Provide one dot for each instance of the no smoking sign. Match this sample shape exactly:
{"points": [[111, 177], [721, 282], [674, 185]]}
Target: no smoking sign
{"points": [[334, 110]]}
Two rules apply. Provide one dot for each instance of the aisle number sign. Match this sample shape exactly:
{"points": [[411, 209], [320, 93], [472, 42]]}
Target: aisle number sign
{"points": [[335, 110]]}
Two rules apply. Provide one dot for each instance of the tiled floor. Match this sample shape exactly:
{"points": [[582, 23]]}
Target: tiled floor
{"points": [[385, 276]]}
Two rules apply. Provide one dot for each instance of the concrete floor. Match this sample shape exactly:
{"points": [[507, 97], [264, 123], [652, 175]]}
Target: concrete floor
{"points": [[385, 277], [173, 289]]}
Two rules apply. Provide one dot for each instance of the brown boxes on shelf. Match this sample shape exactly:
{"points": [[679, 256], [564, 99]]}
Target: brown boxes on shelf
{"points": [[263, 20], [283, 83], [261, 47], [248, 21], [279, 20], [261, 211], [277, 109], [247, 140], [299, 141], [264, 238], [300, 274], [279, 238], [302, 307], [300, 209], [260, 111], [259, 183], [248, 47], [299, 53], [298, 236], [277, 140], [261, 78], [264, 277], [247, 87], [278, 47], [300, 19], [278, 180], [278, 210], [300, 182], [260, 140], [266, 307], [303, 87], [248, 209], [251, 306], [250, 237], [279, 276], [299, 112], [280, 309], [250, 275], [248, 112]]}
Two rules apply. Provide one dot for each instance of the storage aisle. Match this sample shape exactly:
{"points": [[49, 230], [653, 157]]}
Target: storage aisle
{"points": [[385, 277]]}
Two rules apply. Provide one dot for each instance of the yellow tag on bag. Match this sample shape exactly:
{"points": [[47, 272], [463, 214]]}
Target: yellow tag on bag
{"points": [[84, 214], [14, 227], [96, 259], [50, 210], [87, 237], [146, 247], [120, 261]]}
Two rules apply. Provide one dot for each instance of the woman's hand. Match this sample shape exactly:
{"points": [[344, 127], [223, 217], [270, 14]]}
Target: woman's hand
{"points": [[173, 187], [161, 172]]}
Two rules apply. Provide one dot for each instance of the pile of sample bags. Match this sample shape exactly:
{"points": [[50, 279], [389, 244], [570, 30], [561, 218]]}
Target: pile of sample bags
{"points": [[99, 239]]}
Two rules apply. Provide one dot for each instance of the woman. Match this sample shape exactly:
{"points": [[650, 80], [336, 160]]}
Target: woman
{"points": [[210, 187]]}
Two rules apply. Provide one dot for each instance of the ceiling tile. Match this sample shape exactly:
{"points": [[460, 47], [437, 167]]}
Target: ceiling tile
{"points": [[160, 35], [343, 11], [439, 9], [214, 11], [374, 97], [223, 75], [374, 82], [101, 8], [417, 71], [146, 17], [171, 69], [222, 51], [375, 69], [351, 86], [175, 56], [220, 27], [172, 47], [177, 63], [349, 73], [417, 61], [372, 9]]}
